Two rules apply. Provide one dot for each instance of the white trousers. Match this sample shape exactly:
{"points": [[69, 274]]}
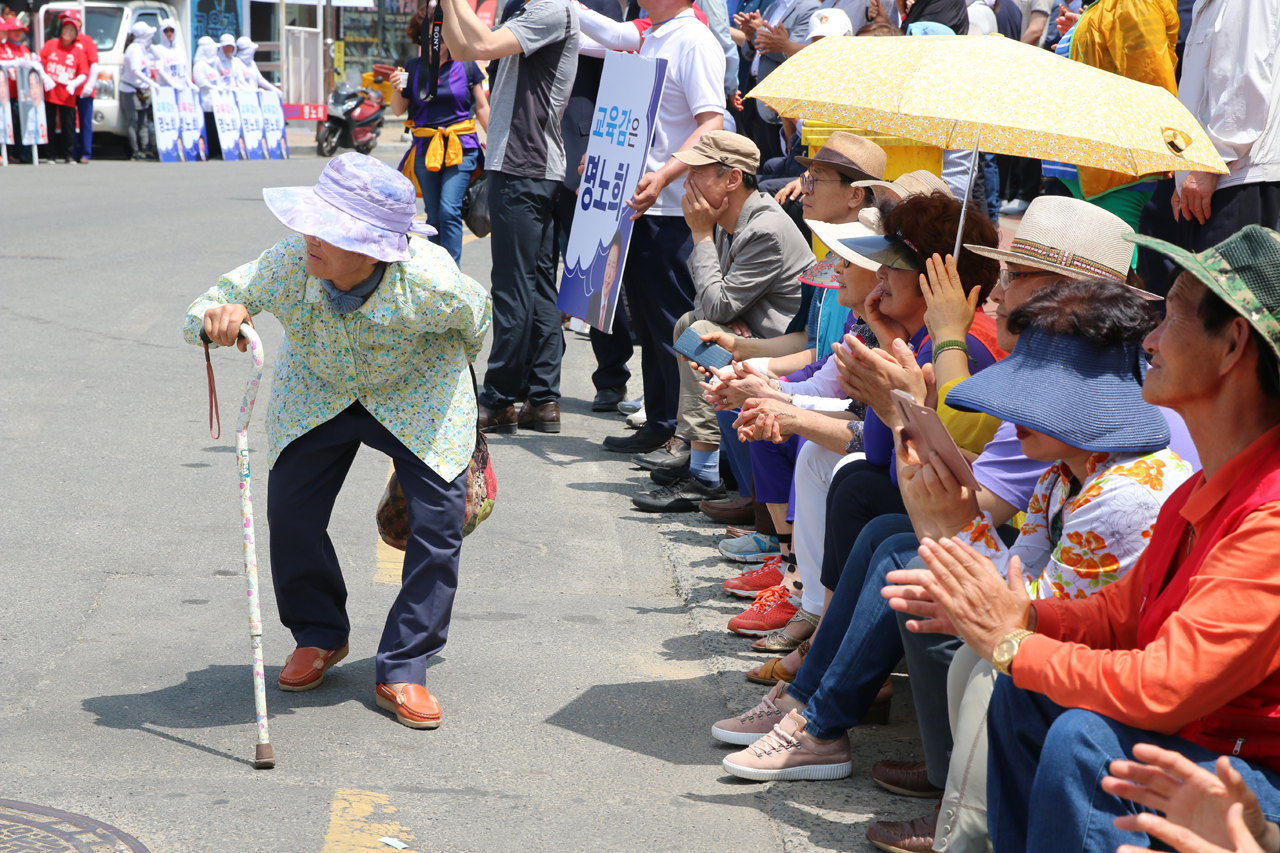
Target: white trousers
{"points": [[815, 466]]}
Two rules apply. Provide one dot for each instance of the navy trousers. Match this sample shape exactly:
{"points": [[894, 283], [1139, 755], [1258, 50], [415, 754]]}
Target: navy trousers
{"points": [[84, 137], [310, 592], [659, 291], [612, 352], [1044, 769], [528, 341]]}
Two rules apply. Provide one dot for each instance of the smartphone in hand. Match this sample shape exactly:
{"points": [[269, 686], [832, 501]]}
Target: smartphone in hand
{"points": [[923, 428], [693, 347]]}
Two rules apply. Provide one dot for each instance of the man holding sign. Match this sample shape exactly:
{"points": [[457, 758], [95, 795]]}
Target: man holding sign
{"points": [[657, 281]]}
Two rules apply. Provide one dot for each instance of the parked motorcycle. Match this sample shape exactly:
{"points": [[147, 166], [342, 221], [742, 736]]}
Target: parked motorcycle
{"points": [[355, 114]]}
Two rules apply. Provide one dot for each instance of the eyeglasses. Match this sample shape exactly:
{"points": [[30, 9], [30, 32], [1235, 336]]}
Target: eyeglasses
{"points": [[807, 180], [1008, 277]]}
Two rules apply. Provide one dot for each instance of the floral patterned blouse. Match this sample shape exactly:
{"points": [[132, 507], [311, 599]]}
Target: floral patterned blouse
{"points": [[403, 355], [1072, 547]]}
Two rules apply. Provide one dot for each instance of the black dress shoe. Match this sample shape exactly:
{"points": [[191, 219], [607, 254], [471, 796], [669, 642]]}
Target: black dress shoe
{"points": [[542, 418], [683, 495], [607, 399], [640, 441], [667, 476], [674, 454], [499, 421]]}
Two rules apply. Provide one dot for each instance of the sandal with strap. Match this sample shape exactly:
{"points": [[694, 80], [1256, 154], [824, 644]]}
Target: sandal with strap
{"points": [[780, 641], [772, 671]]}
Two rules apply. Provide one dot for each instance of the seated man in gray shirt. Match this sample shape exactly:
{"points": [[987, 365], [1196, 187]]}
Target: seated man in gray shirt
{"points": [[526, 156], [746, 261]]}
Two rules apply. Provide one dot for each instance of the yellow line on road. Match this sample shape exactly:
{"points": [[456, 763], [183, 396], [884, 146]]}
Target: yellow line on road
{"points": [[390, 562], [352, 823]]}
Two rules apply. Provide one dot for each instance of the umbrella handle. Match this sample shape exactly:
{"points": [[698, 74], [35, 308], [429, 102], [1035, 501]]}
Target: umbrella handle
{"points": [[263, 758]]}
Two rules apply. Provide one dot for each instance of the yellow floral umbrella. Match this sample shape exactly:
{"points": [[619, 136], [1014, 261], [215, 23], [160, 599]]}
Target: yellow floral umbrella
{"points": [[1006, 97]]}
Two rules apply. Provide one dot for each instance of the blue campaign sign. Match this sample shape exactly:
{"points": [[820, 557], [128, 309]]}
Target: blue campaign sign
{"points": [[273, 128], [251, 125], [226, 115], [621, 131], [164, 111], [191, 126]]}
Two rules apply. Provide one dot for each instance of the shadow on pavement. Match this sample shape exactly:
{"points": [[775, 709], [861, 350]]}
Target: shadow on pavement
{"points": [[654, 718]]}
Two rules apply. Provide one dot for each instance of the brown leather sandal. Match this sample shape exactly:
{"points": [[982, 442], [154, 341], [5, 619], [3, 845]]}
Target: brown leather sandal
{"points": [[772, 671]]}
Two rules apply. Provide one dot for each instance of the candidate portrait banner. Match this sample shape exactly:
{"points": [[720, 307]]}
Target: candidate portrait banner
{"points": [[6, 114], [164, 111], [251, 125], [273, 125], [621, 132], [191, 126], [35, 130], [226, 115]]}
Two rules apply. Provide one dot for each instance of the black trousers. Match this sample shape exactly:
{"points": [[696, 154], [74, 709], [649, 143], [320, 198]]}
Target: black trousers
{"points": [[1019, 177], [62, 129], [212, 140], [310, 592], [859, 492], [528, 341], [659, 290], [1233, 208]]}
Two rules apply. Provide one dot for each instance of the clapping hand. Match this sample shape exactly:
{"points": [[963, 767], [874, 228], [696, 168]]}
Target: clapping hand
{"points": [[950, 312], [871, 375], [748, 22], [772, 39], [766, 420], [1197, 804], [738, 383]]}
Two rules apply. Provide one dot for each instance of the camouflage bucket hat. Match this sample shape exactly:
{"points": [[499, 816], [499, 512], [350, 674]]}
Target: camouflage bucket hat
{"points": [[1244, 270]]}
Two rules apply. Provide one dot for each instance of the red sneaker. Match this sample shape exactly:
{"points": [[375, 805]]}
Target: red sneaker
{"points": [[752, 583], [772, 609]]}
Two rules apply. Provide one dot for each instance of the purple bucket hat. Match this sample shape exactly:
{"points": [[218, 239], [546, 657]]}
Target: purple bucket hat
{"points": [[359, 204]]}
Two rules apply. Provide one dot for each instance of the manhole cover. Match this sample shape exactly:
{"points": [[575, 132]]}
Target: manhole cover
{"points": [[26, 828]]}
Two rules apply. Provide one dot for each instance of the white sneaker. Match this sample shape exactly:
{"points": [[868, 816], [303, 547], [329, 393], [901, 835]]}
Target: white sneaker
{"points": [[637, 420], [755, 548], [1016, 207], [630, 407]]}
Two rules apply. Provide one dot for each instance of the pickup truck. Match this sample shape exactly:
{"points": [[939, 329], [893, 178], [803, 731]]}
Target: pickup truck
{"points": [[107, 23]]}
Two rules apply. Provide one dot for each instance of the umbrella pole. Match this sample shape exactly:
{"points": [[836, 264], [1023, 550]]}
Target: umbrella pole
{"points": [[968, 192]]}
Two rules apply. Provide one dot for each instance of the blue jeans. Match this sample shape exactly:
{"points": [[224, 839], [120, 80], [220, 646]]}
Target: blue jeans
{"points": [[739, 452], [991, 180], [1045, 766], [857, 645], [442, 194]]}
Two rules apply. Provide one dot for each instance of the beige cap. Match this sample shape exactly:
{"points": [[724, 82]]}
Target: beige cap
{"points": [[851, 155], [723, 147], [919, 182]]}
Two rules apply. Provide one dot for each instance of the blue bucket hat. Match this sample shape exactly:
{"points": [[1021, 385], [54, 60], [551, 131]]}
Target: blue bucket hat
{"points": [[1068, 389]]}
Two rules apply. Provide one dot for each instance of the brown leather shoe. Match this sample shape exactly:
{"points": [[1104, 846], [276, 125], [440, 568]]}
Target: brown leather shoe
{"points": [[736, 511], [413, 705], [542, 418], [305, 668], [500, 421], [905, 836], [907, 778]]}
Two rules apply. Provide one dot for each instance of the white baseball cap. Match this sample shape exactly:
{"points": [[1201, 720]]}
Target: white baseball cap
{"points": [[829, 22]]}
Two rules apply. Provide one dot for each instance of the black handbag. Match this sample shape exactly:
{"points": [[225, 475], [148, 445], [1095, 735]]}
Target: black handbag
{"points": [[475, 205]]}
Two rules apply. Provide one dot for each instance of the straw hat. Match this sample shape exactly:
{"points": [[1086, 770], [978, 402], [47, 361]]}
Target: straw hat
{"points": [[851, 155], [912, 183], [1071, 237]]}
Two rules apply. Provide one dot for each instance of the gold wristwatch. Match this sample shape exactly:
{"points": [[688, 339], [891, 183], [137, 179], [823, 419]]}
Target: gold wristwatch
{"points": [[1002, 657]]}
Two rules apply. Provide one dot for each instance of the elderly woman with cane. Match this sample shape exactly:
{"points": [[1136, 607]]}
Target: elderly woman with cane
{"points": [[378, 335]]}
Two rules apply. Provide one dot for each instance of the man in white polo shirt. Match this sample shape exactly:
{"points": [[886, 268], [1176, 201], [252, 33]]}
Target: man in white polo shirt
{"points": [[656, 279]]}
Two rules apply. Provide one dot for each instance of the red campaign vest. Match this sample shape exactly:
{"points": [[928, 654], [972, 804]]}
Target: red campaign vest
{"points": [[1249, 725]]}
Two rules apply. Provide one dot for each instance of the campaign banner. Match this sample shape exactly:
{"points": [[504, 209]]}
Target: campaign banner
{"points": [[621, 132], [191, 126], [35, 131], [251, 125], [164, 112], [273, 125], [6, 114], [226, 115]]}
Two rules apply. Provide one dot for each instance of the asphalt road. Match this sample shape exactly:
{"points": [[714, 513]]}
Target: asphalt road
{"points": [[576, 693]]}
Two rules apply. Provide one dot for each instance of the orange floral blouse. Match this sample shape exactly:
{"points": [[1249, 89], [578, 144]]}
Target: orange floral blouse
{"points": [[1073, 548]]}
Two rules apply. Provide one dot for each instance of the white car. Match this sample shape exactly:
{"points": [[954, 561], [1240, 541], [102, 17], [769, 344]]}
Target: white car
{"points": [[107, 23]]}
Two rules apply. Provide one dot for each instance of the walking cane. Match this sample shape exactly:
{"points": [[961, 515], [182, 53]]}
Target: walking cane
{"points": [[263, 757]]}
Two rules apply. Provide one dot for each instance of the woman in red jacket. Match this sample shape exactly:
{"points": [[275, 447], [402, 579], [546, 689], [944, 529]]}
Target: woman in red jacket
{"points": [[66, 62]]}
